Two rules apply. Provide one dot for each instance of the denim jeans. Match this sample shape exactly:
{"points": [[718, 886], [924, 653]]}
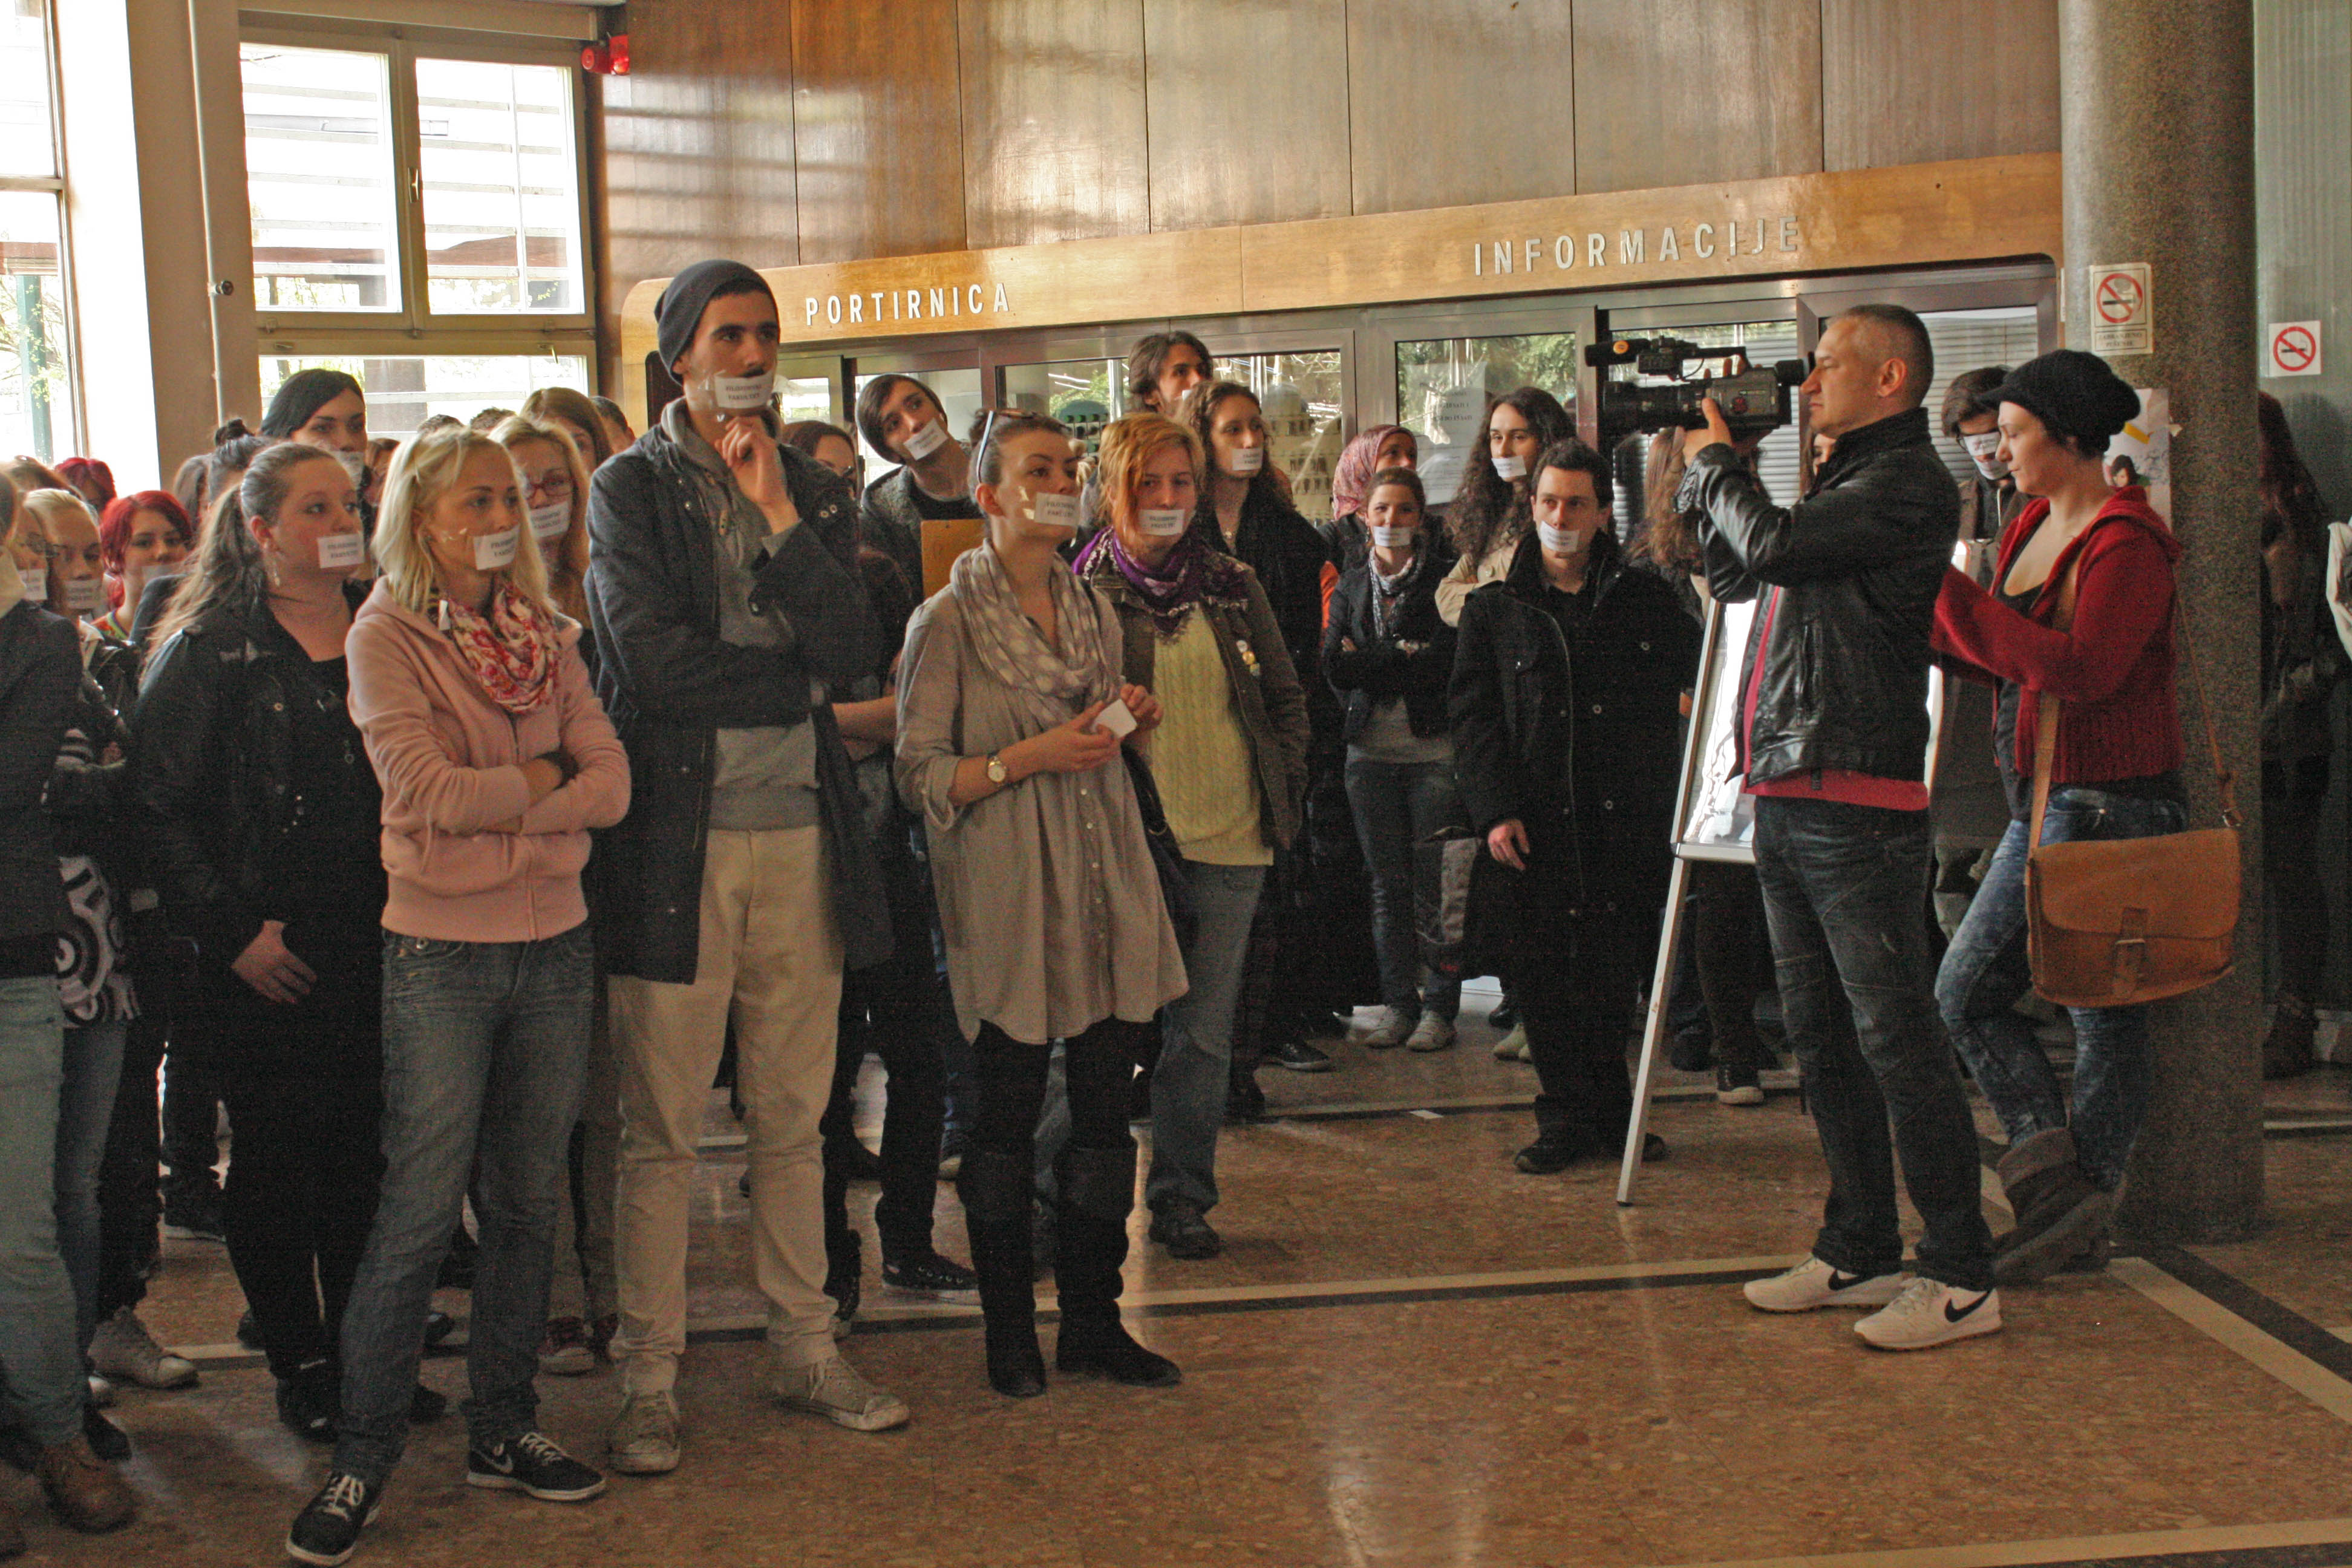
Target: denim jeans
{"points": [[1187, 1088], [485, 1044], [93, 1067], [1398, 805], [1985, 972], [45, 1386], [1845, 895]]}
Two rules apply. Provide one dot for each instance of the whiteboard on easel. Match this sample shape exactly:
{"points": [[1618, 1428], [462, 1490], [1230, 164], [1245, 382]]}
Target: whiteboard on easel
{"points": [[1715, 817]]}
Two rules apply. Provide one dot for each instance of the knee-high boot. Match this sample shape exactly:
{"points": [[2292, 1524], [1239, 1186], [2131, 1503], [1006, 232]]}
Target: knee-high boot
{"points": [[1097, 1195], [995, 1187]]}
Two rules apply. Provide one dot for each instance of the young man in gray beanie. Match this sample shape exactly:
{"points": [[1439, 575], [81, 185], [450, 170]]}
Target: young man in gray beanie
{"points": [[724, 596]]}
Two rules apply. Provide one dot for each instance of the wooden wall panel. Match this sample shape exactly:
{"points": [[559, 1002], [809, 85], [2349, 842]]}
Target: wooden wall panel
{"points": [[1053, 120], [877, 119], [1454, 103], [698, 142], [1679, 92], [1912, 81], [1248, 110]]}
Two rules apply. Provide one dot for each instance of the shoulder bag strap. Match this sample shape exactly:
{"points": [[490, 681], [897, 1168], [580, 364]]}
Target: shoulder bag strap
{"points": [[2225, 782], [2046, 709]]}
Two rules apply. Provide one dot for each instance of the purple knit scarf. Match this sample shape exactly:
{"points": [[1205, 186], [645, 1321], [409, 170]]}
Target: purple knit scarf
{"points": [[1192, 571]]}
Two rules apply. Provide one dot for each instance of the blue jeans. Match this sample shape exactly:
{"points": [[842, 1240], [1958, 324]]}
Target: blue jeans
{"points": [[45, 1385], [1196, 1052], [1985, 972], [1846, 894], [485, 1045], [93, 1069], [1398, 805]]}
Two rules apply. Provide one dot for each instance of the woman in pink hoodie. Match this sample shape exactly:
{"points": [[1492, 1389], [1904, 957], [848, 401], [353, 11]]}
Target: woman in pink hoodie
{"points": [[495, 760]]}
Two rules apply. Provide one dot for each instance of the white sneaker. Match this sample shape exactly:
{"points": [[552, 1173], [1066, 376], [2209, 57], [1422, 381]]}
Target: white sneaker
{"points": [[123, 1350], [838, 1392], [644, 1439], [1394, 1029], [1930, 1313], [1512, 1047], [1813, 1284], [1431, 1034]]}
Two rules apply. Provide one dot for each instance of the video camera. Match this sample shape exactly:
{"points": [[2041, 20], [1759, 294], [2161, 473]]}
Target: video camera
{"points": [[1753, 400]]}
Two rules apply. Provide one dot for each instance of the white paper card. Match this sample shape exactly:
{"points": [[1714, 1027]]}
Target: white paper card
{"points": [[1243, 461], [742, 394], [1118, 719], [1163, 522], [1052, 511], [495, 551], [925, 439], [342, 549], [551, 519], [37, 583], [85, 595]]}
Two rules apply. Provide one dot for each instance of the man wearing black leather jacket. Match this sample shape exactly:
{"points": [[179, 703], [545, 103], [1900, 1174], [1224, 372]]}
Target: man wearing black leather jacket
{"points": [[1833, 733]]}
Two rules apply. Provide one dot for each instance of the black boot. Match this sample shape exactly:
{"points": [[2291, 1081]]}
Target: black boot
{"points": [[1097, 1194], [995, 1187]]}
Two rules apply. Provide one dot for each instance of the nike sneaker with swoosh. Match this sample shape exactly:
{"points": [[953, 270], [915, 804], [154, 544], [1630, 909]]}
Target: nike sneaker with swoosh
{"points": [[1929, 1312], [1813, 1284], [533, 1466]]}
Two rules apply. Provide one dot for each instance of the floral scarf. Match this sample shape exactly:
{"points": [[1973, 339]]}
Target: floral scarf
{"points": [[1192, 571], [1014, 651], [511, 651]]}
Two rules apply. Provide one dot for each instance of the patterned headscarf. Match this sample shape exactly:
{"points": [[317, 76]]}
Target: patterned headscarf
{"points": [[1351, 482]]}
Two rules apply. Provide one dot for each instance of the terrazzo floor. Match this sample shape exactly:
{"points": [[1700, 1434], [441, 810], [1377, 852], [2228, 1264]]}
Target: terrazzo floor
{"points": [[1409, 1354]]}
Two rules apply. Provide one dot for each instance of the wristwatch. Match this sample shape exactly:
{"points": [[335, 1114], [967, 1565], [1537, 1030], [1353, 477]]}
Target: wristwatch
{"points": [[996, 773]]}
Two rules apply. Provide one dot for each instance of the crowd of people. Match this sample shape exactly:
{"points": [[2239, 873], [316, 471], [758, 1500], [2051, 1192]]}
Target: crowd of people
{"points": [[454, 812]]}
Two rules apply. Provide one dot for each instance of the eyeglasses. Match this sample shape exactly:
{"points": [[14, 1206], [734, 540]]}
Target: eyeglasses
{"points": [[552, 487]]}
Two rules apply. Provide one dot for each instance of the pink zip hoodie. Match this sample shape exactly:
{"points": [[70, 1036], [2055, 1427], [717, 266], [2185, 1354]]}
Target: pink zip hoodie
{"points": [[450, 760]]}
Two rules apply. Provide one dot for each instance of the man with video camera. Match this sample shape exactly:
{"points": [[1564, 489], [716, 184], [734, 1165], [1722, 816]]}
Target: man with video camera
{"points": [[1834, 737]]}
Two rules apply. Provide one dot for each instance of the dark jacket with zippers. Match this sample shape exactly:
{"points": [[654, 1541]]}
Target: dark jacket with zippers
{"points": [[40, 673], [233, 718], [1412, 657], [1577, 734], [670, 683], [1858, 562]]}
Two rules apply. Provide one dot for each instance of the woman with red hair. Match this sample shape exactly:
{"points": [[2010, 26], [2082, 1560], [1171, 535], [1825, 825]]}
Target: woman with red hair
{"points": [[143, 535], [91, 480]]}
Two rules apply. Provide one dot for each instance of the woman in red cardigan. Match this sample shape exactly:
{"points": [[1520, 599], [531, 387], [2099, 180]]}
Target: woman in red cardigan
{"points": [[2117, 774]]}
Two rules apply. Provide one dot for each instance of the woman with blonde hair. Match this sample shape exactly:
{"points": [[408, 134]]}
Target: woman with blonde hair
{"points": [[553, 468], [495, 761], [572, 413], [1231, 757]]}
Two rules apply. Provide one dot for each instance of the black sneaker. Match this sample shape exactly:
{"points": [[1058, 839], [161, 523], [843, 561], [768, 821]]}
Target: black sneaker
{"points": [[1548, 1156], [327, 1530], [1737, 1085], [248, 1332], [1298, 1057], [533, 1466], [307, 1403], [927, 1273], [196, 1217], [1180, 1227], [1505, 1017], [438, 1326]]}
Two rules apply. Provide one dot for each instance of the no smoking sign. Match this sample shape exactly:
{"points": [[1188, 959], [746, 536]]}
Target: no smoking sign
{"points": [[2123, 312], [2294, 349]]}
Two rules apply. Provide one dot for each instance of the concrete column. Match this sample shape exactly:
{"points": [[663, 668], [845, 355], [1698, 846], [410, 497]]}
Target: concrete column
{"points": [[151, 354], [2164, 175]]}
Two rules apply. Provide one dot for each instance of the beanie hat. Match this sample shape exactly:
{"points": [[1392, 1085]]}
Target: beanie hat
{"points": [[2074, 394], [302, 394], [679, 310]]}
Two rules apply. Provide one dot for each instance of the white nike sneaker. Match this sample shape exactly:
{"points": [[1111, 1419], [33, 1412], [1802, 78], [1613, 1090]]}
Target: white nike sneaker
{"points": [[1813, 1284], [1930, 1313]]}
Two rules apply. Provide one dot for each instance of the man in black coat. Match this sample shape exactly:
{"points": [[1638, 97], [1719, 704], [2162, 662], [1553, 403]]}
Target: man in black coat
{"points": [[1566, 705], [1833, 733], [725, 593]]}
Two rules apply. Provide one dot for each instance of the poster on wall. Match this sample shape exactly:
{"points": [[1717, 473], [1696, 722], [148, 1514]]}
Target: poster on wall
{"points": [[2142, 454]]}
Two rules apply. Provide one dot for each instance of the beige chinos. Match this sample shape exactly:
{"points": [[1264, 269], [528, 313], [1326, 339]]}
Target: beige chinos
{"points": [[770, 958]]}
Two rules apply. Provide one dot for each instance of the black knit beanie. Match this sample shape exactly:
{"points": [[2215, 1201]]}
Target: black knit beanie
{"points": [[2072, 393], [679, 310], [302, 394]]}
